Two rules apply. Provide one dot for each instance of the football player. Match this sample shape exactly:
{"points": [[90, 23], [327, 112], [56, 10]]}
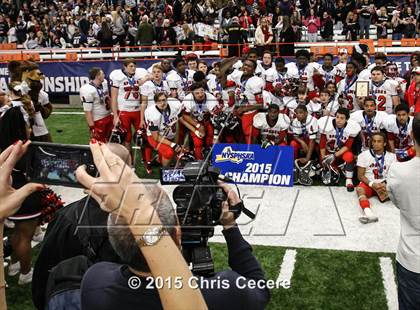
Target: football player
{"points": [[303, 132], [372, 167], [245, 94], [198, 108], [398, 127], [162, 118], [337, 135], [370, 120], [165, 65], [327, 70], [126, 97], [150, 88], [96, 104], [270, 128], [301, 98], [384, 91], [346, 88], [391, 72], [341, 65], [302, 70], [180, 79], [265, 64]]}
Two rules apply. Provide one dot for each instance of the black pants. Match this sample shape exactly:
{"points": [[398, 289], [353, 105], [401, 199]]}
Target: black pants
{"points": [[408, 289]]}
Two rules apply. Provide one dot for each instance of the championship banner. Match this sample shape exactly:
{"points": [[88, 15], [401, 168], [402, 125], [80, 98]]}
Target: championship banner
{"points": [[251, 164], [66, 78]]}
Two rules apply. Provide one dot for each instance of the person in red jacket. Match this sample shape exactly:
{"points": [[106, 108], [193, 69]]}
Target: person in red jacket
{"points": [[412, 95]]}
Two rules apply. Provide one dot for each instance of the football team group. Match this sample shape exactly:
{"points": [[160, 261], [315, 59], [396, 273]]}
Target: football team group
{"points": [[335, 115]]}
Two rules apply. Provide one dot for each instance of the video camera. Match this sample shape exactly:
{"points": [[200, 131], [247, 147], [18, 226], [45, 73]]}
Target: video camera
{"points": [[198, 201]]}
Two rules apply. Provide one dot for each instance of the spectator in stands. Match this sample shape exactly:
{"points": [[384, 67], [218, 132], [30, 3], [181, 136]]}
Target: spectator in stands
{"points": [[166, 35], [187, 37], [382, 23], [263, 36], [11, 33], [351, 27], [105, 35], [287, 38], [340, 15], [118, 27], [235, 35], [365, 9], [296, 21], [145, 33], [31, 41], [327, 27], [313, 24], [20, 30], [397, 25], [4, 28], [409, 21]]}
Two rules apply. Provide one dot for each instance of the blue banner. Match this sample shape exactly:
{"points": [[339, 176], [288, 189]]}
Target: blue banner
{"points": [[251, 164], [66, 78]]}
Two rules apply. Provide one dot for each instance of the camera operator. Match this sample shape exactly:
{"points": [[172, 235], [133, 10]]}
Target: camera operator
{"points": [[106, 285]]}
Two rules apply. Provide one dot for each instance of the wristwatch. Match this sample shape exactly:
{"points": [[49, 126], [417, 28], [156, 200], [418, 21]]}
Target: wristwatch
{"points": [[151, 236]]}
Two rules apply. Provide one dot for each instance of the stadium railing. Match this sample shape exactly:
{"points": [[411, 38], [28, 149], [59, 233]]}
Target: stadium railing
{"points": [[215, 50]]}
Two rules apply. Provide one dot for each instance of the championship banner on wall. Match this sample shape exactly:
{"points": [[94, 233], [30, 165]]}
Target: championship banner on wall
{"points": [[66, 78], [251, 164]]}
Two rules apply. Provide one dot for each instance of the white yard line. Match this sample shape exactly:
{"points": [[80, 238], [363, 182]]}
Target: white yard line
{"points": [[287, 267], [68, 113], [388, 279]]}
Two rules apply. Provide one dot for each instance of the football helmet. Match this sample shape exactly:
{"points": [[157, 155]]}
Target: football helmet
{"points": [[139, 139], [118, 135], [304, 174], [330, 175]]}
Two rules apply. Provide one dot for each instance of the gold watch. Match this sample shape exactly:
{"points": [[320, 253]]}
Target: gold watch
{"points": [[151, 236]]}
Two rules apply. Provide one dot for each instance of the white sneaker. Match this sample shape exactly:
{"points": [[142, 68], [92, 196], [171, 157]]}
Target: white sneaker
{"points": [[368, 216], [26, 278], [13, 269], [39, 237]]}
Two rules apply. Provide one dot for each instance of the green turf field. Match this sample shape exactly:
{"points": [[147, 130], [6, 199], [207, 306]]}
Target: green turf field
{"points": [[322, 279]]}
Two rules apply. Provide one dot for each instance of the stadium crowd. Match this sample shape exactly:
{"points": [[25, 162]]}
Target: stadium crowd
{"points": [[75, 23], [348, 118]]}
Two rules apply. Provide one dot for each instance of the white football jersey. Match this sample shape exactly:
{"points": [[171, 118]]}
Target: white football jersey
{"points": [[163, 121], [336, 138], [365, 74], [200, 112], [401, 134], [150, 88], [261, 71], [246, 89], [332, 107], [273, 76], [347, 88], [216, 89], [271, 133], [305, 74], [328, 75], [340, 69], [314, 109], [94, 100], [376, 170], [369, 126], [128, 88], [269, 98], [383, 93], [180, 83], [291, 105], [305, 131]]}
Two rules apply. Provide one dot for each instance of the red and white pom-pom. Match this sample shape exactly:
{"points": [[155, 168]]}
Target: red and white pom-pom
{"points": [[51, 203]]}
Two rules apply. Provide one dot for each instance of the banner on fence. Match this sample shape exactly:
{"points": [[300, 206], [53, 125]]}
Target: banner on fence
{"points": [[251, 164], [66, 78]]}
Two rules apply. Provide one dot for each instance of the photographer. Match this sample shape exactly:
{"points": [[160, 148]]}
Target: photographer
{"points": [[107, 285]]}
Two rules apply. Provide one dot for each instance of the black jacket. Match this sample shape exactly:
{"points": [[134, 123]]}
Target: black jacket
{"points": [[72, 232]]}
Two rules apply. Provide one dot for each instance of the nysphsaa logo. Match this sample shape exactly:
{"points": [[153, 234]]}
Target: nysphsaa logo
{"points": [[235, 157]]}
